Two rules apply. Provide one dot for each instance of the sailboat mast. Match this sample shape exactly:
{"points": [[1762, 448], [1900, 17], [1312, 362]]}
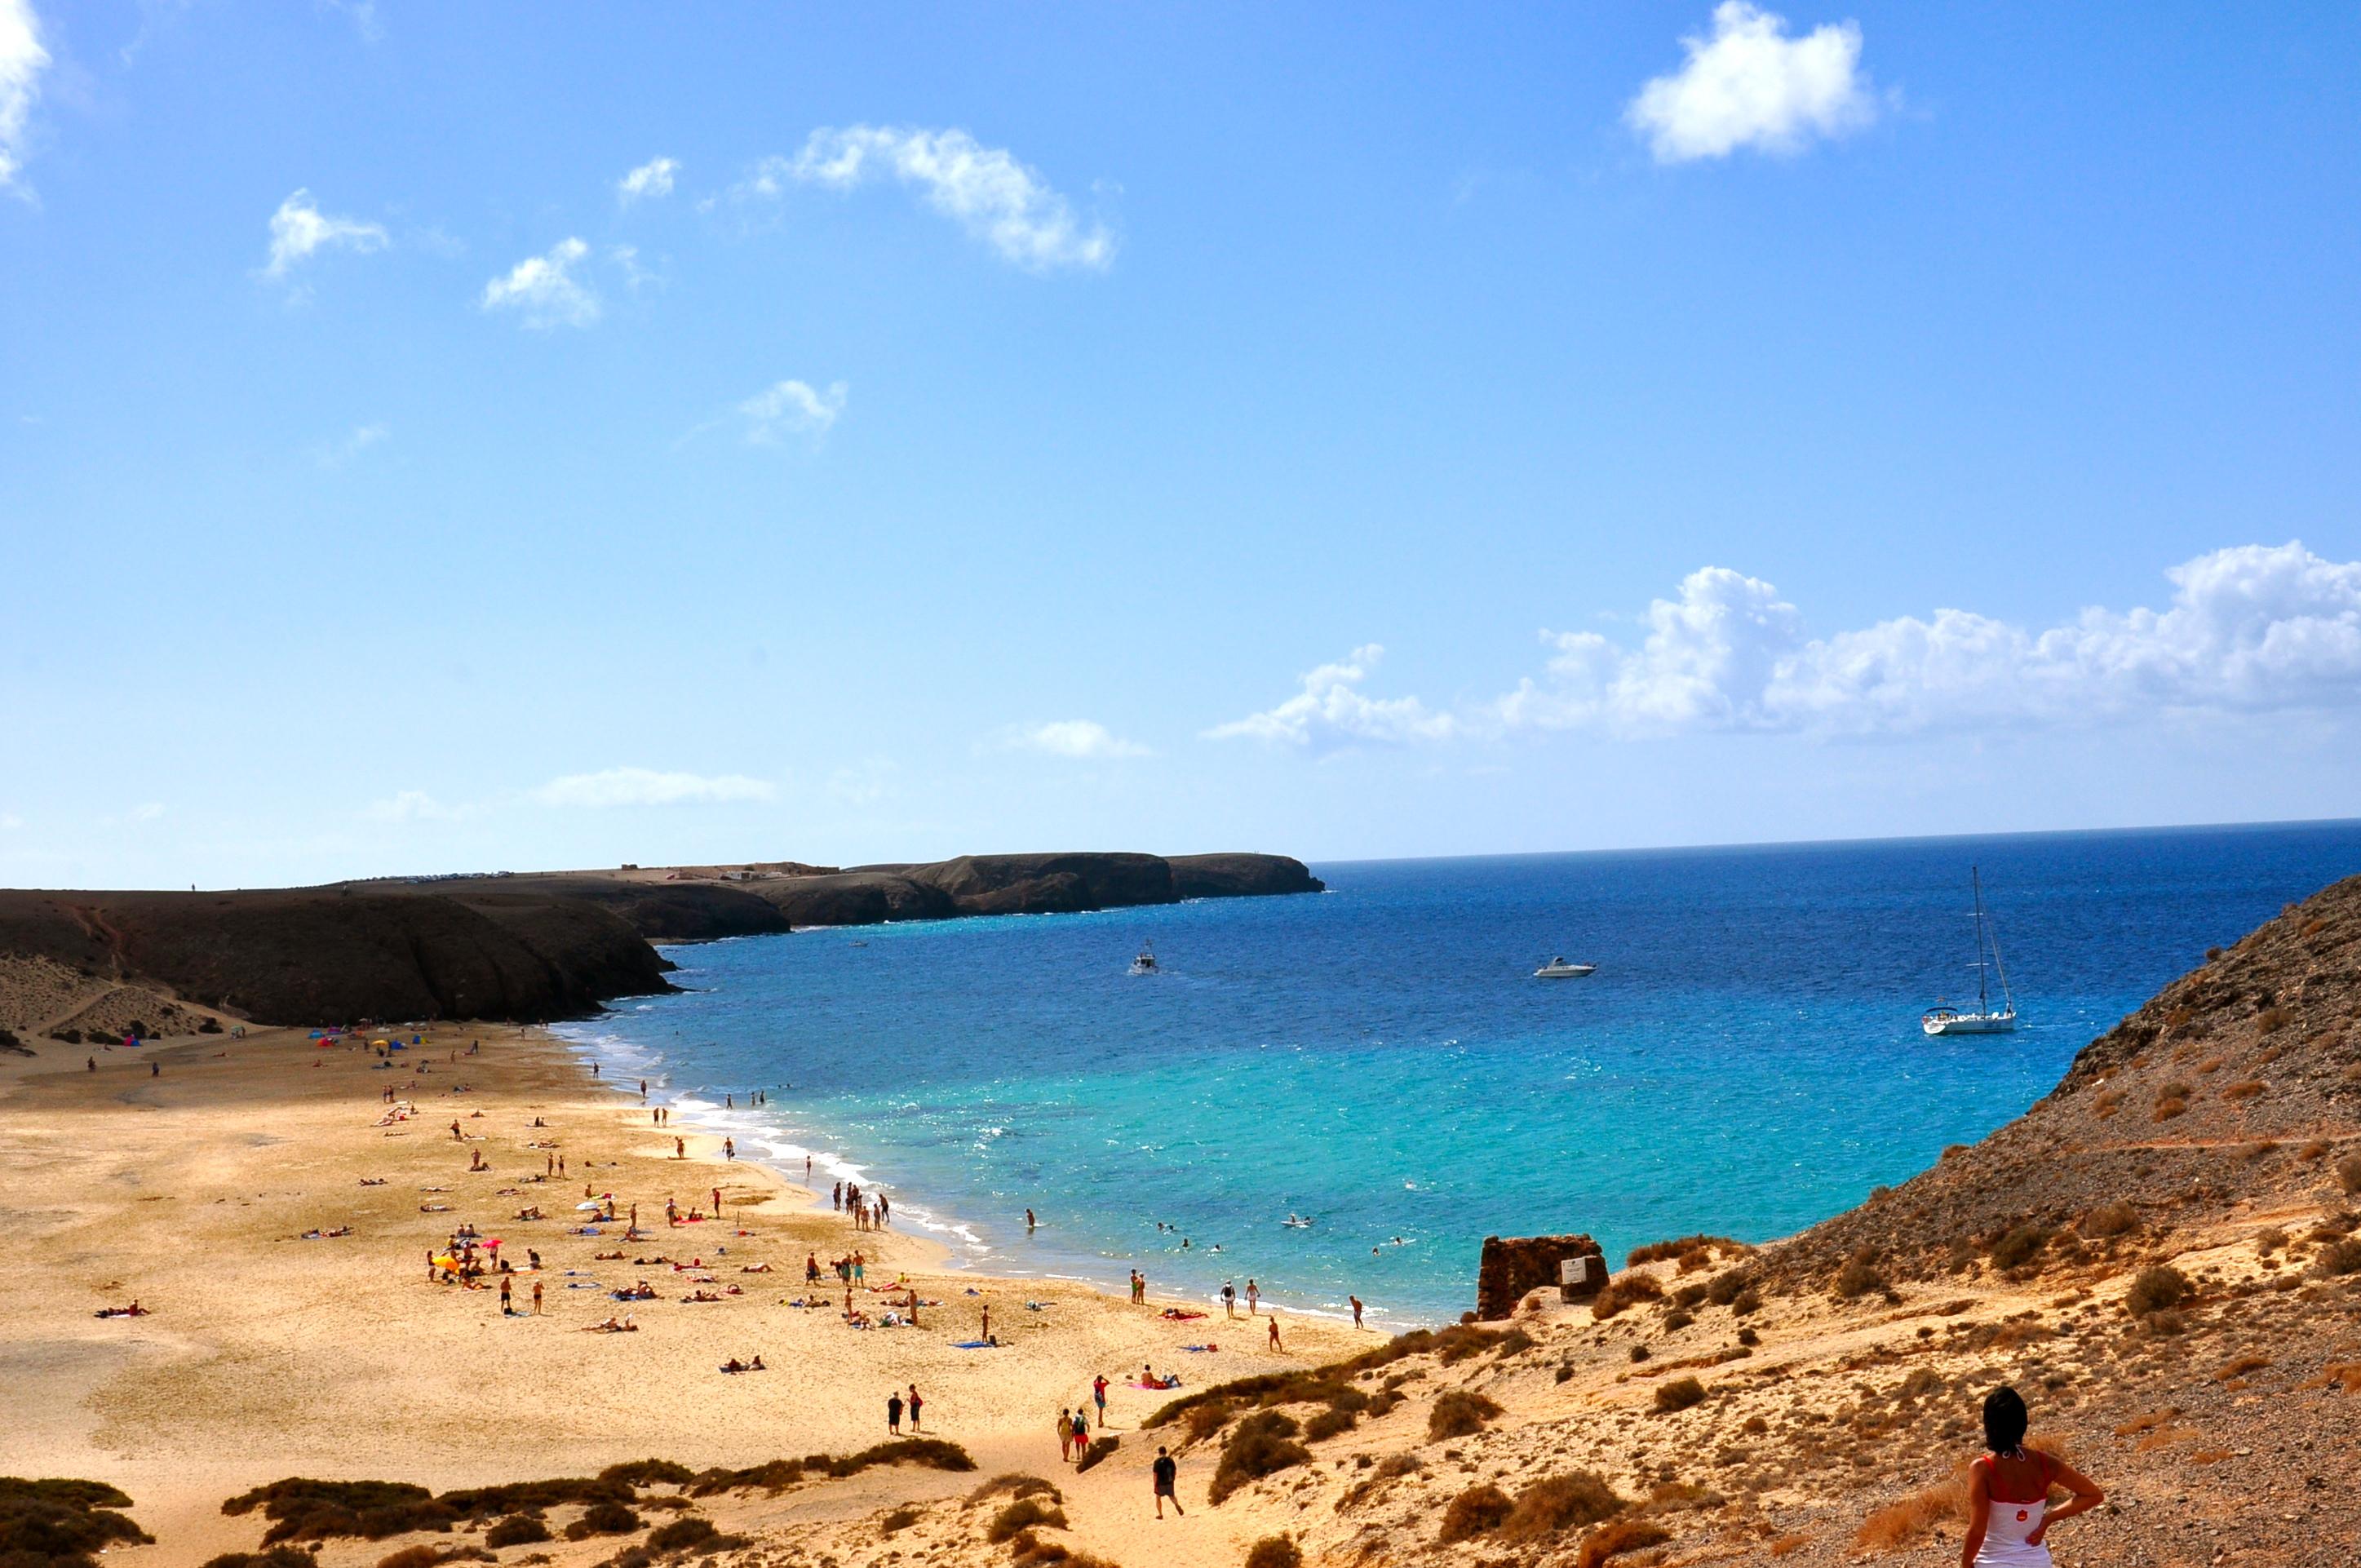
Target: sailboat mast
{"points": [[1975, 882]]}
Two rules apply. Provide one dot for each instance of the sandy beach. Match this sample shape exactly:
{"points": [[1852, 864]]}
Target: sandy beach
{"points": [[265, 1355]]}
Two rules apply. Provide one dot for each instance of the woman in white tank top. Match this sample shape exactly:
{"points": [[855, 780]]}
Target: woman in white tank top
{"points": [[2009, 1514]]}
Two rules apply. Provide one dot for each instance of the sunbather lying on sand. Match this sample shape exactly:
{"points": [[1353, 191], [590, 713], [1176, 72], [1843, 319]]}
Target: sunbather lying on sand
{"points": [[734, 1364], [133, 1310], [701, 1295], [606, 1257], [614, 1326]]}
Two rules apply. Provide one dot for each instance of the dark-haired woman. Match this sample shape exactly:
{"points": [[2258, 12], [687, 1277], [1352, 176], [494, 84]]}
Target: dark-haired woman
{"points": [[2008, 1493]]}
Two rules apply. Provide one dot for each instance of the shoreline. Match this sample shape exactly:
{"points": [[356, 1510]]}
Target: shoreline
{"points": [[186, 1173], [967, 1251]]}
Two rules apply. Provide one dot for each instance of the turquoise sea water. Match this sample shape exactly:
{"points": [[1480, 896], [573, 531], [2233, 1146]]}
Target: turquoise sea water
{"points": [[1746, 1060]]}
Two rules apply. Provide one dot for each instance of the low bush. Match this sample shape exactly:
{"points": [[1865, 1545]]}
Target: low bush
{"points": [[61, 1523], [2244, 1090], [1262, 1445], [2109, 1220], [603, 1518], [1727, 1286], [2348, 1173], [275, 1557], [1625, 1291], [1016, 1484], [1274, 1551], [517, 1529], [1023, 1514], [1901, 1524], [1679, 1395], [1460, 1412], [2156, 1289], [639, 1473], [2337, 1259], [681, 1535], [1617, 1536], [900, 1519], [1680, 1246], [1858, 1277], [778, 1475], [300, 1509], [1328, 1423], [1477, 1511], [1559, 1502], [2017, 1246]]}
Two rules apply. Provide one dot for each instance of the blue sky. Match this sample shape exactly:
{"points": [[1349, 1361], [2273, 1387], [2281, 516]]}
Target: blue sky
{"points": [[1017, 428]]}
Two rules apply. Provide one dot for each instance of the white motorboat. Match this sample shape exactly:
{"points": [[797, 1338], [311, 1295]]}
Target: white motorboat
{"points": [[1986, 1019], [1145, 962], [1563, 969]]}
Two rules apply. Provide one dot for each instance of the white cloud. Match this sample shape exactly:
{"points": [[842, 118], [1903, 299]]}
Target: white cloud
{"points": [[1751, 85], [2252, 628], [985, 189], [298, 229], [362, 438], [1080, 739], [409, 806], [544, 289], [10, 822], [650, 179], [22, 60], [645, 786], [1333, 710], [148, 811], [791, 406], [627, 257]]}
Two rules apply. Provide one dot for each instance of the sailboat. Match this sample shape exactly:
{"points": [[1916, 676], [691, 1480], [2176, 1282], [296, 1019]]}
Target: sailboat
{"points": [[1985, 1019]]}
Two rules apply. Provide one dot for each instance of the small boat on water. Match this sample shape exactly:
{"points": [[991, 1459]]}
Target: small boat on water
{"points": [[1563, 969], [1145, 962], [1986, 1019], [1296, 1222]]}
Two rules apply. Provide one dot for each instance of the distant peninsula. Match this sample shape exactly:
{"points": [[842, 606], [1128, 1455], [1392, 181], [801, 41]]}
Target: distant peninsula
{"points": [[522, 947]]}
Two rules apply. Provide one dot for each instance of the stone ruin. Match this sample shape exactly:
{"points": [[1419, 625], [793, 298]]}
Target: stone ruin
{"points": [[1513, 1265]]}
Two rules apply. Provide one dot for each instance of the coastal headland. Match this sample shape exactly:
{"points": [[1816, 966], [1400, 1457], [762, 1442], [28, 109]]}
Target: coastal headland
{"points": [[524, 947], [2163, 1255]]}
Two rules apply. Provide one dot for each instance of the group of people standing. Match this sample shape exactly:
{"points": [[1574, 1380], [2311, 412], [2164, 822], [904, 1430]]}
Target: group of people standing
{"points": [[867, 1215]]}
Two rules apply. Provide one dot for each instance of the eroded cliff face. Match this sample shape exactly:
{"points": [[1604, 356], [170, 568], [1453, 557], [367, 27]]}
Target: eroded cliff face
{"points": [[329, 955]]}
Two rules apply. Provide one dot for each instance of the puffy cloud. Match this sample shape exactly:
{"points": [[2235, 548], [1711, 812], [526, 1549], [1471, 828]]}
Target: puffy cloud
{"points": [[1333, 710], [22, 60], [650, 179], [1751, 85], [791, 406], [410, 805], [2251, 628], [544, 289], [645, 786], [298, 229], [1080, 738], [985, 189]]}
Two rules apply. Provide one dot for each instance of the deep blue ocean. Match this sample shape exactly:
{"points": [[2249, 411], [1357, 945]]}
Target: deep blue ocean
{"points": [[1746, 1060]]}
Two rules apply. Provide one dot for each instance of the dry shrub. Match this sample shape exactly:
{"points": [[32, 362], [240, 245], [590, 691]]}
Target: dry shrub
{"points": [[2017, 1246], [410, 1557], [1787, 1543], [2109, 1220], [2338, 1258], [2165, 1438], [2246, 1090], [2166, 1109], [2155, 1288], [1858, 1277], [1616, 1537], [1625, 1291], [603, 1518], [1679, 1395], [1476, 1511], [517, 1529], [900, 1519], [1017, 1484], [1275, 1551], [1754, 1426], [2149, 1423], [1262, 1445], [1023, 1514], [682, 1535], [1325, 1424], [1201, 1422], [1680, 1246], [62, 1524], [2312, 1150], [2241, 1366], [1460, 1412], [2271, 1020], [1559, 1502], [2348, 1173], [1030, 1550], [2211, 1064], [2344, 1375], [1899, 1525], [1727, 1286], [277, 1557]]}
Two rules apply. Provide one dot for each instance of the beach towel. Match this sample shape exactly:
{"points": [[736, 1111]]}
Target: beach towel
{"points": [[973, 1344], [1178, 1316]]}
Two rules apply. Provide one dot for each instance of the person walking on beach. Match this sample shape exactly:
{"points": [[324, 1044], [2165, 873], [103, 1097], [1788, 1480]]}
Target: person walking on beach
{"points": [[1274, 1332], [2008, 1493], [916, 1404], [1254, 1294], [1098, 1398], [1167, 1473], [1065, 1437], [1357, 1309], [893, 1414], [1082, 1435], [728, 1149], [1229, 1299]]}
